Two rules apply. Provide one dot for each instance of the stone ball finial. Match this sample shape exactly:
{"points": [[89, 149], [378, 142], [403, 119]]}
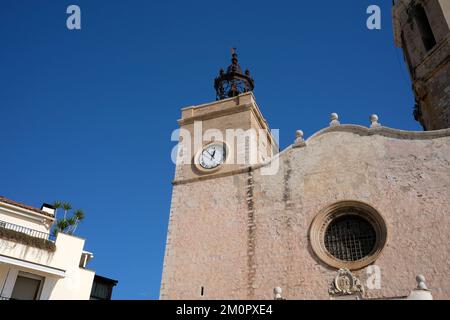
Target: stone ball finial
{"points": [[374, 121], [334, 119], [277, 293], [299, 141], [421, 292], [421, 282]]}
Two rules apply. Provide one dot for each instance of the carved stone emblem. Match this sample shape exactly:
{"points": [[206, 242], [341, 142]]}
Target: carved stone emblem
{"points": [[345, 283]]}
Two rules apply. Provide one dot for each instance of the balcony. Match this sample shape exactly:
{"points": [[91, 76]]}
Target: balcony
{"points": [[26, 236]]}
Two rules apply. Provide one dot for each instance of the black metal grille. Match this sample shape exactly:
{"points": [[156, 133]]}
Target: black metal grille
{"points": [[233, 82], [350, 238]]}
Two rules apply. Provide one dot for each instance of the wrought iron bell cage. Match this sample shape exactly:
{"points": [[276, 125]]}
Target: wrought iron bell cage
{"points": [[233, 82]]}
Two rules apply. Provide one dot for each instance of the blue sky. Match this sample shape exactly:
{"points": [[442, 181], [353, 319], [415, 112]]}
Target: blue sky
{"points": [[86, 116]]}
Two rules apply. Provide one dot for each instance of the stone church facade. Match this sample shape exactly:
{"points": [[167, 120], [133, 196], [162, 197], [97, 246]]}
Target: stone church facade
{"points": [[351, 212]]}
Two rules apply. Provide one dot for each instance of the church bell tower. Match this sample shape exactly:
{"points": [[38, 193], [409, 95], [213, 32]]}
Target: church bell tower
{"points": [[224, 136], [219, 145], [421, 29]]}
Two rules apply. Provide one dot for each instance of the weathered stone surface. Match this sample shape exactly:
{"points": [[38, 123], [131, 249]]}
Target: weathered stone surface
{"points": [[429, 69], [238, 233], [242, 235]]}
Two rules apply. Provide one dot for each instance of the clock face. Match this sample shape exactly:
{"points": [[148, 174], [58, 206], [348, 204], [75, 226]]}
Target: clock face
{"points": [[212, 156]]}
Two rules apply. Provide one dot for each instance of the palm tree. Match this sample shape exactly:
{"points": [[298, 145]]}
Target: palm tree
{"points": [[71, 224], [66, 206], [67, 225], [62, 225], [79, 216], [57, 205]]}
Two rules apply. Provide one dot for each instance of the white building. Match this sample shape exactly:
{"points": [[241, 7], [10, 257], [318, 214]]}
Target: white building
{"points": [[35, 265]]}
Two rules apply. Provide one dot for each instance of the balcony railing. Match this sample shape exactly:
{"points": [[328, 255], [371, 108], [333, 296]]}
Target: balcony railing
{"points": [[27, 231]]}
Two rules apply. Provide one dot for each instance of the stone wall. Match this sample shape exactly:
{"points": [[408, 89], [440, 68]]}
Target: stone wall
{"points": [[407, 181], [242, 235], [206, 242], [429, 70]]}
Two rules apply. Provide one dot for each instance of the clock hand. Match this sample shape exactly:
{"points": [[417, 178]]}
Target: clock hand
{"points": [[210, 156], [213, 153]]}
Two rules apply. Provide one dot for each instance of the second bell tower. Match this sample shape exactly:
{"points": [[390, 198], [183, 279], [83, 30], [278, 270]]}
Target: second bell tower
{"points": [[422, 30]]}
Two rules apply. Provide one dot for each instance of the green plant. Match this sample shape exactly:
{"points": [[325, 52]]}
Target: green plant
{"points": [[57, 204], [67, 224], [79, 216], [66, 207]]}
